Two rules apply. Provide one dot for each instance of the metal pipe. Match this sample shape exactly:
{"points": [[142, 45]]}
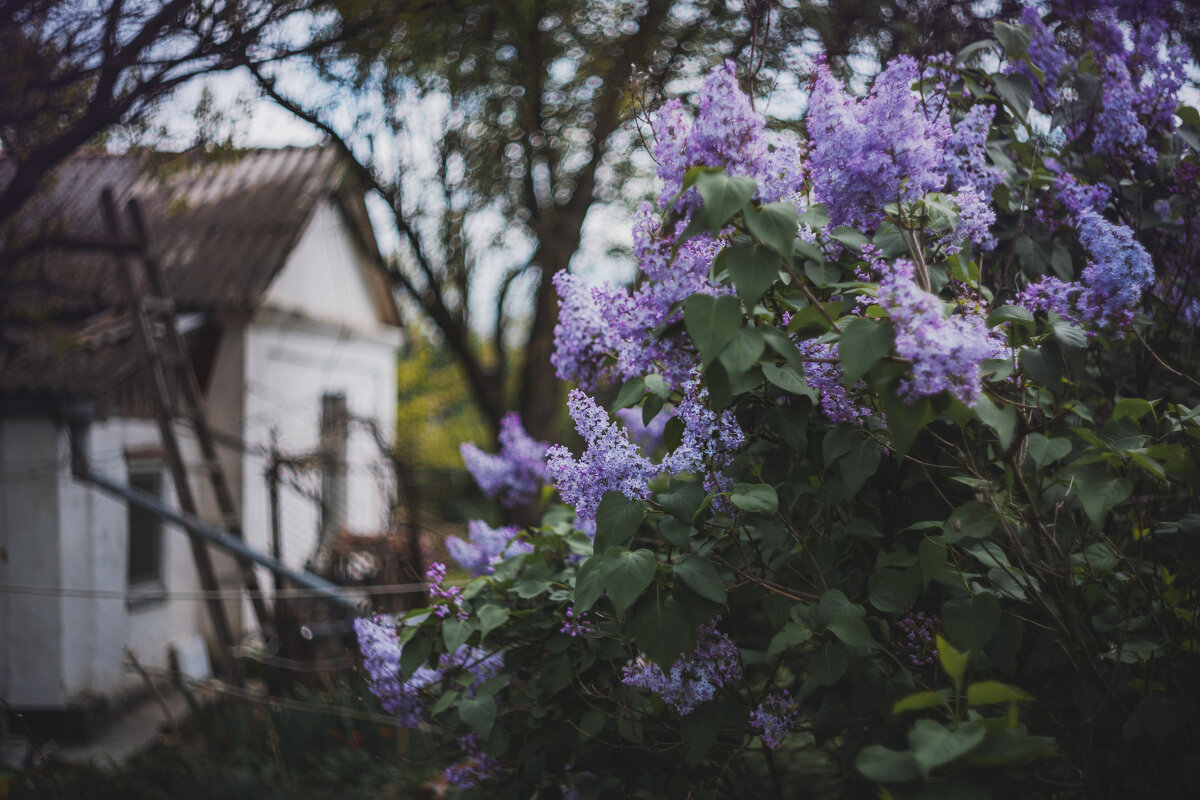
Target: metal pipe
{"points": [[82, 470]]}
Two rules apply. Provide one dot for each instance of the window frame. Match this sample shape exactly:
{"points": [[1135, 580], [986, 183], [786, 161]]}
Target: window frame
{"points": [[149, 587]]}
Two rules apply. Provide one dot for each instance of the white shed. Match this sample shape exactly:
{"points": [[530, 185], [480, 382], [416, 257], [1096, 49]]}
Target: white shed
{"points": [[293, 334]]}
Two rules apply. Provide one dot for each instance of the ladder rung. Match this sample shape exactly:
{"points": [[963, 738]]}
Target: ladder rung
{"points": [[158, 305]]}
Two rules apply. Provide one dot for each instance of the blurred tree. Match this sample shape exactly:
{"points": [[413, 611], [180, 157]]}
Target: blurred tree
{"points": [[70, 70], [490, 129], [484, 126]]}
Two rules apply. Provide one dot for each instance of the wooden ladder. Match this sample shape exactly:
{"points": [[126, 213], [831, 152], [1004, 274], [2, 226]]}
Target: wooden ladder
{"points": [[152, 310]]}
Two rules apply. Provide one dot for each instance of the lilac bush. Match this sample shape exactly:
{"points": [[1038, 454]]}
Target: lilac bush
{"points": [[936, 356]]}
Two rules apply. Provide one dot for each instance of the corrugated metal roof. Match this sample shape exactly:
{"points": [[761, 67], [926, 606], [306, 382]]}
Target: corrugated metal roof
{"points": [[222, 231]]}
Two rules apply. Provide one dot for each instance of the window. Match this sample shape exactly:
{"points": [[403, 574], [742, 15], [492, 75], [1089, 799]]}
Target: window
{"points": [[145, 557]]}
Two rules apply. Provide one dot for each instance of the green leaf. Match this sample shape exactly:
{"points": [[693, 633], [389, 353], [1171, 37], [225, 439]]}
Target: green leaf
{"points": [[1015, 90], [970, 520], [679, 534], [711, 322], [775, 225], [862, 344], [879, 764], [479, 713], [491, 616], [921, 701], [1014, 38], [534, 581], [931, 554], [792, 634], [555, 674], [753, 268], [1042, 367], [823, 275], [1014, 315], [778, 341], [787, 379], [858, 465], [905, 419], [1001, 420], [588, 586], [1132, 408], [789, 425], [834, 603], [684, 500], [757, 498], [626, 575], [701, 577], [816, 216], [658, 386], [849, 237], [723, 196], [1011, 747], [852, 631], [933, 744], [954, 663], [413, 655], [973, 621], [988, 692], [455, 633], [892, 591], [972, 49], [1044, 451], [630, 394], [814, 319], [662, 632], [828, 665], [1069, 336], [742, 352], [617, 520], [1098, 491]]}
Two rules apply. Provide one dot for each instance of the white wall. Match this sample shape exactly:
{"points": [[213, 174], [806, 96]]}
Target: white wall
{"points": [[60, 533], [30, 626], [318, 331]]}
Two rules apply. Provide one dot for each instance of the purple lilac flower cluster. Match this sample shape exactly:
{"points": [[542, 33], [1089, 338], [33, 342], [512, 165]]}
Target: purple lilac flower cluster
{"points": [[774, 717], [1045, 54], [1141, 72], [380, 645], [515, 473], [475, 767], [575, 625], [485, 547], [1119, 131], [881, 149], [451, 595], [610, 463], [917, 640], [966, 152], [726, 133], [838, 403], [945, 351], [976, 216], [1110, 287], [696, 676], [709, 438], [583, 336], [601, 323]]}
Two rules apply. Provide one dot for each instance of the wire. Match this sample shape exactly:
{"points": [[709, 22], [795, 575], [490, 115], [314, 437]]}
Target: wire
{"points": [[219, 594], [220, 687]]}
